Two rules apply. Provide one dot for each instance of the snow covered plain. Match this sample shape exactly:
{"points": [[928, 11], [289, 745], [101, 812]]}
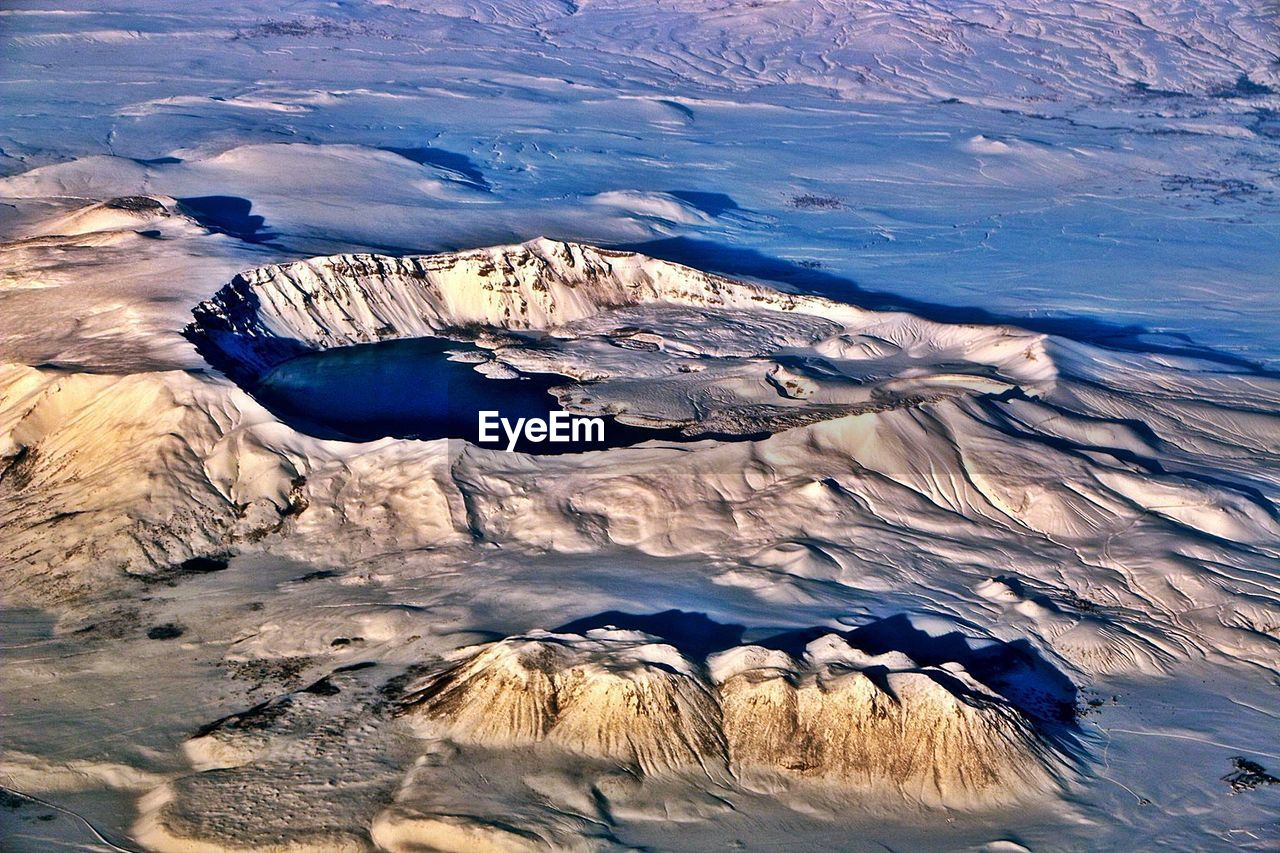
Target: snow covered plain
{"points": [[1015, 525]]}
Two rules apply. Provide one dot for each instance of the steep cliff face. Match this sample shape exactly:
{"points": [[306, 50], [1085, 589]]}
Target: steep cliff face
{"points": [[347, 299], [543, 284]]}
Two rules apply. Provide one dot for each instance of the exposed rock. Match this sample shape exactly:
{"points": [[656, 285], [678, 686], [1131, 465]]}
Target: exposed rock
{"points": [[932, 734], [619, 695], [878, 723]]}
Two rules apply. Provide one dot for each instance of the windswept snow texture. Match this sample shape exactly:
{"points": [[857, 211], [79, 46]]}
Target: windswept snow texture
{"points": [[984, 294]]}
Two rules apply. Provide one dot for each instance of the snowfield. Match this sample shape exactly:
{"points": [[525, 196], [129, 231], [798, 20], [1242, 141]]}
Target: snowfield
{"points": [[955, 325]]}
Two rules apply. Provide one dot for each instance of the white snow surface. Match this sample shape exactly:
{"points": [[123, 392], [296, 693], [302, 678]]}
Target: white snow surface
{"points": [[998, 278]]}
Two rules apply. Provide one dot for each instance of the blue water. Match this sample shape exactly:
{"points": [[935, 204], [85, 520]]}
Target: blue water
{"points": [[409, 389]]}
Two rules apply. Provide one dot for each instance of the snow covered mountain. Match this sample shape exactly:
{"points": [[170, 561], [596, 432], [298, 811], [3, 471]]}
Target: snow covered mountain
{"points": [[943, 340], [1090, 501]]}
